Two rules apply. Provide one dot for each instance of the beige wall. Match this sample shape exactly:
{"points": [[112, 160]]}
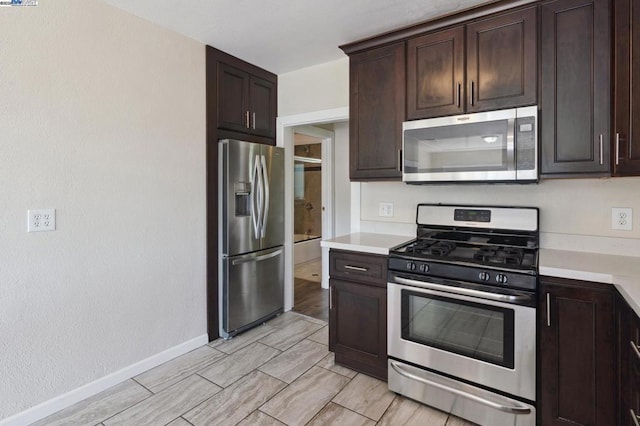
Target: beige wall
{"points": [[102, 117], [317, 88]]}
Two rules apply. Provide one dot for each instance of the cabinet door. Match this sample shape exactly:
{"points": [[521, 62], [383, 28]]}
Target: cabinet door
{"points": [[377, 110], [634, 370], [262, 106], [626, 143], [576, 341], [575, 88], [501, 61], [435, 74], [358, 326], [233, 86]]}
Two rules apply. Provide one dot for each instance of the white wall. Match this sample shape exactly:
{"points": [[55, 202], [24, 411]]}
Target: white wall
{"points": [[102, 117], [317, 88]]}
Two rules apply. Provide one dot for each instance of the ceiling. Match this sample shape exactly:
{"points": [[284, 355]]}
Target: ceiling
{"points": [[286, 35]]}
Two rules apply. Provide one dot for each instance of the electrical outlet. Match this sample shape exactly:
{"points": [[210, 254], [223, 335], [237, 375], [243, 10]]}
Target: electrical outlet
{"points": [[622, 218], [385, 209], [41, 220]]}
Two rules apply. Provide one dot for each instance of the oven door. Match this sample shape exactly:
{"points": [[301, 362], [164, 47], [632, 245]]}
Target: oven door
{"points": [[488, 342]]}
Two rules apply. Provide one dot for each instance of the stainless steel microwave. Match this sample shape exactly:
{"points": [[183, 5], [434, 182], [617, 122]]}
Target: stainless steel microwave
{"points": [[492, 146]]}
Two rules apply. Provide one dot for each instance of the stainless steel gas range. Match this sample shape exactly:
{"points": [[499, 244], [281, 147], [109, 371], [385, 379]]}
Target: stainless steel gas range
{"points": [[461, 313]]}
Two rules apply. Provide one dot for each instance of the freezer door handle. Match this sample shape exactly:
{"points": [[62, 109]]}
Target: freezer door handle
{"points": [[265, 205], [257, 258]]}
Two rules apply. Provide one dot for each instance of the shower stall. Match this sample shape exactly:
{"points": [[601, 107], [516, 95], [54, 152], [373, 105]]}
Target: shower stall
{"points": [[307, 202]]}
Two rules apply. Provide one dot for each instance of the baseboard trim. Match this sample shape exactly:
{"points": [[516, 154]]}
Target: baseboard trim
{"points": [[63, 401]]}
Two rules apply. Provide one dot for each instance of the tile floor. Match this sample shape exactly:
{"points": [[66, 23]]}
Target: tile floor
{"points": [[280, 373]]}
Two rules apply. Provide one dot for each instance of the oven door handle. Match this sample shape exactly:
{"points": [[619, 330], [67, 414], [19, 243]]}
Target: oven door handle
{"points": [[515, 409], [464, 291]]}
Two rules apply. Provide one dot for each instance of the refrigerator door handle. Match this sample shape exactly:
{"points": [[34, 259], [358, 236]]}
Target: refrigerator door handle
{"points": [[257, 258], [255, 185], [265, 206]]}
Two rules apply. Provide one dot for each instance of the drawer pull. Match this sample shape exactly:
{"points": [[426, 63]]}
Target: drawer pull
{"points": [[635, 348], [356, 268], [635, 418]]}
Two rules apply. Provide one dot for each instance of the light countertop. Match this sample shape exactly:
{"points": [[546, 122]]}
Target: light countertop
{"points": [[366, 242], [621, 271]]}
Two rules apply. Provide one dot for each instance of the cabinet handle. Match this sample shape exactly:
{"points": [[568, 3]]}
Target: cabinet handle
{"points": [[356, 268], [472, 87], [458, 95], [330, 298], [617, 148], [548, 309], [601, 149], [635, 348], [246, 119], [254, 121], [635, 418], [399, 165]]}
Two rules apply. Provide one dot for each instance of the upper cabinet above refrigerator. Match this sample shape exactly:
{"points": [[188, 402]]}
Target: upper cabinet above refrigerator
{"points": [[242, 98]]}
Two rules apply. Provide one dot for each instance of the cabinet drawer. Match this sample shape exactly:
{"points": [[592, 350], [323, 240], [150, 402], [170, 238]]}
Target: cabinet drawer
{"points": [[365, 268]]}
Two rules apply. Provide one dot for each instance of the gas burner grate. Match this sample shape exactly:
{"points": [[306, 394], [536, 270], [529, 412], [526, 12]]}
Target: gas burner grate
{"points": [[441, 248], [501, 255]]}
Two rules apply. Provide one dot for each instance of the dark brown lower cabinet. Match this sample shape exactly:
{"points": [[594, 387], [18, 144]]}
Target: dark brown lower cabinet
{"points": [[358, 313], [358, 327], [628, 356], [576, 332]]}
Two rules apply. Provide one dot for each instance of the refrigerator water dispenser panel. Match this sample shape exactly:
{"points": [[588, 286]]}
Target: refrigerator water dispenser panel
{"points": [[242, 199]]}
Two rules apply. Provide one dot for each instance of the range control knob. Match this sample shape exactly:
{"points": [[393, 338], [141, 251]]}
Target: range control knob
{"points": [[411, 266], [484, 276], [501, 278], [424, 267]]}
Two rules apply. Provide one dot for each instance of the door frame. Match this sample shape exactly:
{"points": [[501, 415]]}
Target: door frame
{"points": [[284, 138]]}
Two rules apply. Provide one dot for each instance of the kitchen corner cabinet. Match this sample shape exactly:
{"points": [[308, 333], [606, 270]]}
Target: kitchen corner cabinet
{"points": [[575, 88], [246, 98], [626, 132], [358, 311], [628, 352], [500, 69], [576, 353], [376, 111]]}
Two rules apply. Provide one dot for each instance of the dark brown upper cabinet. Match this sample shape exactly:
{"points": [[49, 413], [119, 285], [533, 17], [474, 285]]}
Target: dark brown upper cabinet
{"points": [[626, 131], [499, 72], [376, 111], [246, 99], [435, 74], [575, 88]]}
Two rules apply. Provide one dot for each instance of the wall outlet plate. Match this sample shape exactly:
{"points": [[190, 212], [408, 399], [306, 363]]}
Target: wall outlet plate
{"points": [[41, 220], [385, 209], [622, 218]]}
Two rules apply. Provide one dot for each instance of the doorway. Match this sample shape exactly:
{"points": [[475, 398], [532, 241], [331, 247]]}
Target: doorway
{"points": [[317, 125], [309, 206]]}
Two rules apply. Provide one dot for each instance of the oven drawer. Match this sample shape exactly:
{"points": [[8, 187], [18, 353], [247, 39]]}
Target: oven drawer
{"points": [[460, 399], [365, 268]]}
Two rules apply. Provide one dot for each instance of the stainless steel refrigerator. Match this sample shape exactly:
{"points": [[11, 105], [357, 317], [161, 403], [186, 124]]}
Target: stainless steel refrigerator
{"points": [[251, 234]]}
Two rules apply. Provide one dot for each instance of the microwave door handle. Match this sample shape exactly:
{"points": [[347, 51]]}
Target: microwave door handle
{"points": [[511, 144], [265, 201]]}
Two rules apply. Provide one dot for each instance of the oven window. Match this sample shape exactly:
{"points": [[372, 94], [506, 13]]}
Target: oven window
{"points": [[479, 331]]}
